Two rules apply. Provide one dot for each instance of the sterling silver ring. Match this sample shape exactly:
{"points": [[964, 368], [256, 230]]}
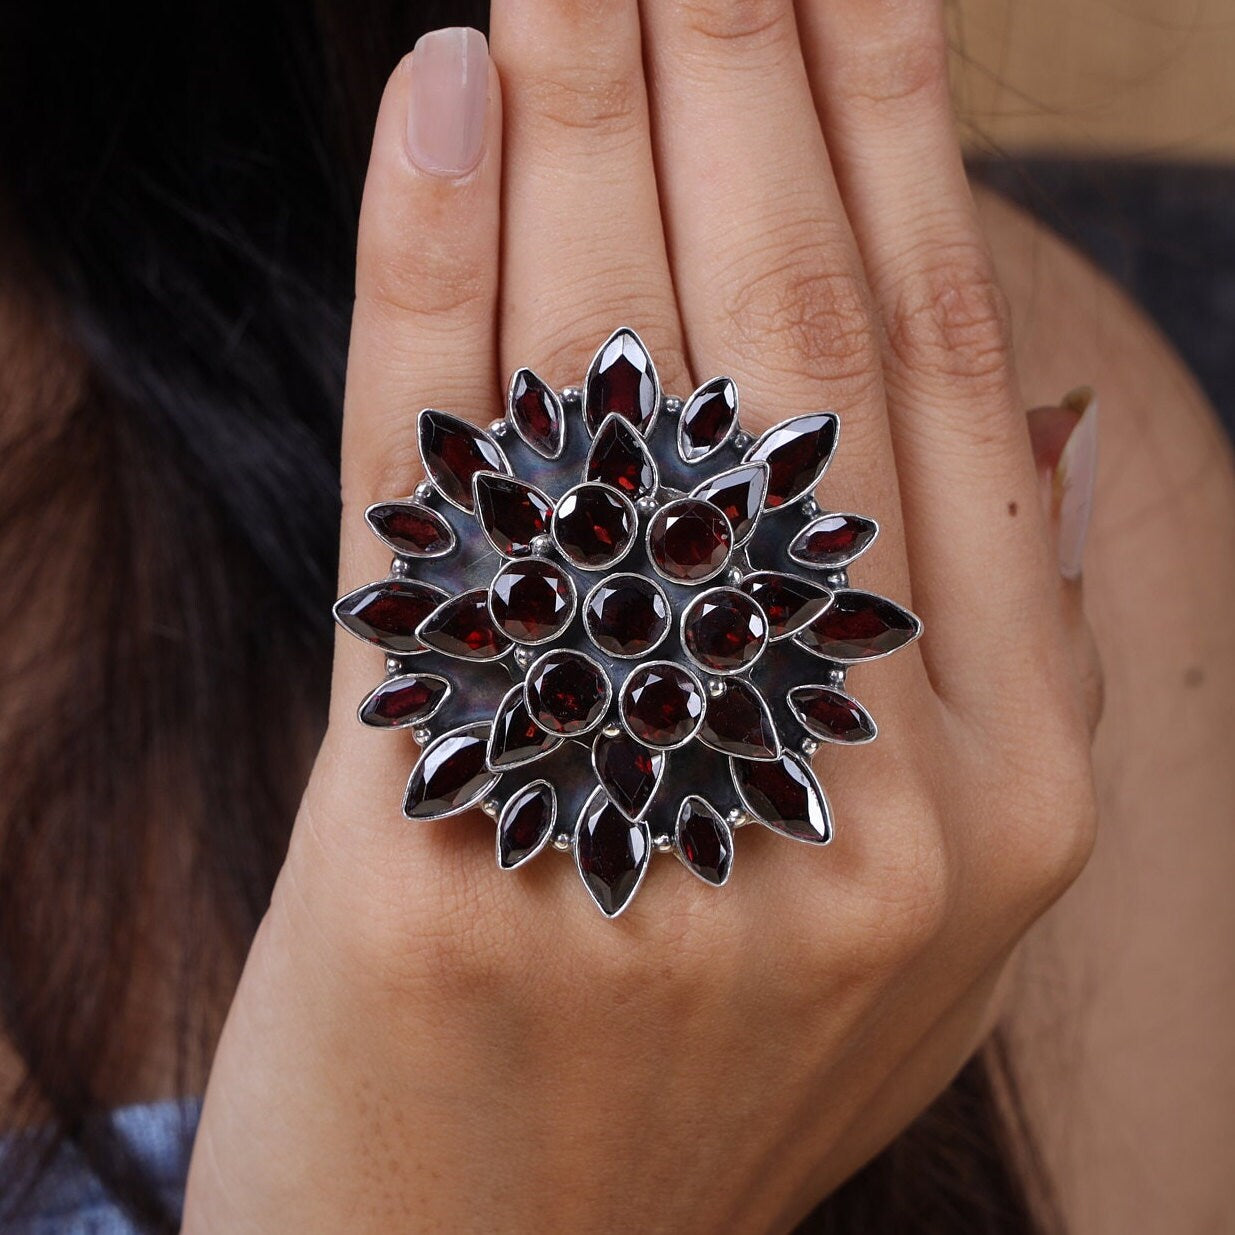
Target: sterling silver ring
{"points": [[619, 623]]}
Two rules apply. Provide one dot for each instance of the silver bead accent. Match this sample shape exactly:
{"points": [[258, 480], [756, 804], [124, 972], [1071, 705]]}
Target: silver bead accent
{"points": [[808, 747], [716, 687], [647, 504], [422, 735], [737, 817], [735, 575], [671, 405], [809, 508], [562, 841], [836, 678], [612, 731], [499, 428], [663, 843], [742, 440], [423, 491], [836, 579], [492, 807], [400, 568], [542, 545], [572, 395], [523, 657]]}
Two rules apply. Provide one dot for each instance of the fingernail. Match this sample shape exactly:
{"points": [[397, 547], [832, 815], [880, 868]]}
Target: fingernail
{"points": [[1074, 481], [449, 99]]}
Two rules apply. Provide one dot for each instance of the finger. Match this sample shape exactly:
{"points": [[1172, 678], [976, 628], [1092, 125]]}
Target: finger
{"points": [[423, 324], [585, 248], [976, 539], [768, 274]]}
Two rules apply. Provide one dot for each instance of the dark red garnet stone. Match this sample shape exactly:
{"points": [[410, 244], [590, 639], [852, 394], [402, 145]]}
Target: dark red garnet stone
{"points": [[788, 602], [796, 452], [410, 528], [453, 451], [619, 458], [621, 381], [611, 852], [512, 513], [689, 540], [782, 794], [593, 526], [450, 774], [525, 825], [535, 413], [626, 615], [740, 494], [724, 630], [833, 541], [708, 417], [738, 723], [403, 700], [859, 625], [516, 738], [832, 715], [388, 613], [704, 841], [463, 628], [662, 704], [531, 601], [566, 693], [628, 772]]}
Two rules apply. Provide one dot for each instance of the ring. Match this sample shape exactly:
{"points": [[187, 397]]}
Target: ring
{"points": [[620, 623]]}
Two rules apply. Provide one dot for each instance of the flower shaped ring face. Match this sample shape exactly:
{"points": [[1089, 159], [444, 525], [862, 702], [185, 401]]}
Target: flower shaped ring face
{"points": [[620, 624]]}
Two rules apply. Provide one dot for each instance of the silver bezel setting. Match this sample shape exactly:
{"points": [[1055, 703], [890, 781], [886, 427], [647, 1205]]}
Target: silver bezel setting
{"points": [[658, 664], [517, 563], [631, 513], [661, 513], [421, 417], [640, 875], [600, 669], [477, 797], [711, 593], [692, 800], [846, 559], [711, 386], [416, 718], [608, 581], [508, 809]]}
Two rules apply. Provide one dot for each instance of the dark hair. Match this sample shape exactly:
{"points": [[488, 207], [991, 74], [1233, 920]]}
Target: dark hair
{"points": [[179, 198]]}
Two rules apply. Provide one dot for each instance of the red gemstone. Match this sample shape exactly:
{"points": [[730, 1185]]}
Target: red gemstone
{"points": [[611, 853], [515, 738], [628, 772], [404, 700], [784, 795], [621, 380], [740, 493], [536, 414], [619, 458], [531, 601], [511, 512], [738, 723], [831, 714], [567, 693], [626, 615], [707, 419], [797, 453], [388, 613], [453, 451], [462, 627], [450, 775], [662, 704], [411, 529], [525, 823], [832, 541], [788, 602], [689, 540], [859, 626], [724, 630], [594, 526], [704, 841]]}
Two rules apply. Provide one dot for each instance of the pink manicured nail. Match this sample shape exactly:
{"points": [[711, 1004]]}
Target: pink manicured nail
{"points": [[1074, 481], [449, 98]]}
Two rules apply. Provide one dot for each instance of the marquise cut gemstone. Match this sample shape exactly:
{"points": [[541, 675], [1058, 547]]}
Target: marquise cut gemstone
{"points": [[611, 853], [388, 613], [462, 627], [404, 700], [626, 615], [704, 841], [707, 419], [531, 600], [784, 795], [689, 540], [453, 451], [832, 541], [724, 630], [662, 704], [525, 823], [619, 458], [831, 714], [788, 602], [516, 739], [450, 774], [536, 414], [859, 626], [628, 772], [411, 528], [621, 380], [594, 526], [738, 723], [740, 493], [511, 512], [567, 693], [796, 452]]}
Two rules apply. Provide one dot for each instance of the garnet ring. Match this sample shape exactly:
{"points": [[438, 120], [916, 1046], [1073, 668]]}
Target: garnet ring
{"points": [[619, 623]]}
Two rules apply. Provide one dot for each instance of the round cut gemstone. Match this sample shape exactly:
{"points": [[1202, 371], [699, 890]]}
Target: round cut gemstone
{"points": [[567, 693], [704, 841], [796, 453], [594, 526], [404, 700], [619, 458], [662, 704], [831, 714], [832, 541], [859, 626], [740, 493], [611, 853], [626, 615], [515, 738], [738, 723], [525, 823], [462, 627], [511, 512], [453, 451], [707, 419], [536, 414], [689, 540], [789, 603], [531, 601], [628, 772], [411, 529], [724, 630], [389, 613], [784, 795], [621, 380], [450, 774]]}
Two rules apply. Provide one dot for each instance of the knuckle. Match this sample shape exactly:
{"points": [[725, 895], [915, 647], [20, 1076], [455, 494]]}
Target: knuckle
{"points": [[585, 102], [741, 24], [906, 64], [424, 283]]}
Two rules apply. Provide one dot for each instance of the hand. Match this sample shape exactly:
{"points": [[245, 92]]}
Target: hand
{"points": [[421, 1041]]}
